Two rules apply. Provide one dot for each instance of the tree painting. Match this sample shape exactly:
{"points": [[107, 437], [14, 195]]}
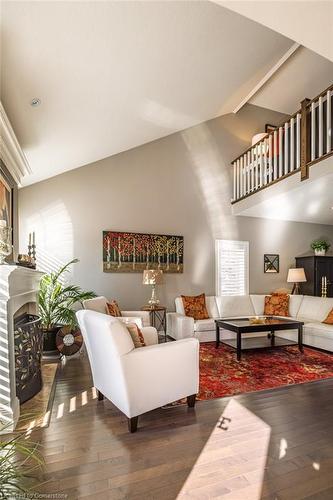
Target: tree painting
{"points": [[134, 252]]}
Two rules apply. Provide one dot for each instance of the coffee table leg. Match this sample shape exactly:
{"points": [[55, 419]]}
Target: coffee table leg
{"points": [[217, 343], [273, 338], [239, 346], [300, 338]]}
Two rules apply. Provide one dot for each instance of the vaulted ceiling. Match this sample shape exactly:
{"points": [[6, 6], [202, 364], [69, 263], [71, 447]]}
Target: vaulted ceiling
{"points": [[115, 75]]}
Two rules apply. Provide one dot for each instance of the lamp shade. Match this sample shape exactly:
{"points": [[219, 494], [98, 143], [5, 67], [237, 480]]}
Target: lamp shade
{"points": [[256, 138], [152, 277], [296, 275]]}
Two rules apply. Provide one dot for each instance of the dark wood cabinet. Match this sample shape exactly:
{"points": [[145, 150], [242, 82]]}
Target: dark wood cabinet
{"points": [[315, 268]]}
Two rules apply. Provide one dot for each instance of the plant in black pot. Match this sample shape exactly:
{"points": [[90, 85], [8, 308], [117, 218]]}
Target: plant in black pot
{"points": [[56, 305]]}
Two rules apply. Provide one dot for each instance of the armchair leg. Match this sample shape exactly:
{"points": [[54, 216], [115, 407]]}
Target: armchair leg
{"points": [[191, 400], [100, 395], [132, 424]]}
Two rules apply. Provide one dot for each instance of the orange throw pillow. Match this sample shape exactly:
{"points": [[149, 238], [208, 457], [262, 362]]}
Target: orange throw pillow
{"points": [[329, 319], [195, 307], [113, 309], [136, 334], [277, 304]]}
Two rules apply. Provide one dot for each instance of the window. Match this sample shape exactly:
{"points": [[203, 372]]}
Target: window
{"points": [[232, 267]]}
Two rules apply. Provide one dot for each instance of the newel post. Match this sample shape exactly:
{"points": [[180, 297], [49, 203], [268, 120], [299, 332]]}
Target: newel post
{"points": [[305, 142]]}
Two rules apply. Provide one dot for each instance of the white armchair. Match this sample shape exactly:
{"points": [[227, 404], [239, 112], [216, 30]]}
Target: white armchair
{"points": [[137, 380]]}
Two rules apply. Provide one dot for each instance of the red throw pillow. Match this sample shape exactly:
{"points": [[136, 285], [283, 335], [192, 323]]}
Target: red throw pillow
{"points": [[136, 334], [113, 309], [195, 307], [329, 319], [277, 304]]}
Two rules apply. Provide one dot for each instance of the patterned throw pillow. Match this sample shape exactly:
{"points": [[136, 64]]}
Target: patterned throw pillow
{"points": [[136, 334], [329, 319], [277, 304], [195, 307], [113, 309]]}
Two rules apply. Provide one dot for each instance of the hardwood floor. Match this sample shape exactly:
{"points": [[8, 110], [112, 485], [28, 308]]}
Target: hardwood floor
{"points": [[269, 445]]}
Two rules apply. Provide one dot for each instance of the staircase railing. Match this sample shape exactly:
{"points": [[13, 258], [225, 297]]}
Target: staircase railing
{"points": [[304, 139]]}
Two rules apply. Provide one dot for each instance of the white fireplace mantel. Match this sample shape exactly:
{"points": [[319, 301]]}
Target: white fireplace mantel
{"points": [[18, 286]]}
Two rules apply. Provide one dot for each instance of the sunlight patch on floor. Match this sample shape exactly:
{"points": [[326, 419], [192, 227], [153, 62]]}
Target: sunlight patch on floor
{"points": [[233, 460]]}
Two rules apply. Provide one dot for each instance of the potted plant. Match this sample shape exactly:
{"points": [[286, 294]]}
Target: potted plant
{"points": [[320, 247], [56, 302], [20, 459]]}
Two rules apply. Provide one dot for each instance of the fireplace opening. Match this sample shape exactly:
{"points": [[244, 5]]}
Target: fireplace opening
{"points": [[28, 340]]}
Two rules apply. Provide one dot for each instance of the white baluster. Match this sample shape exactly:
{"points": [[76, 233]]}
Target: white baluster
{"points": [[313, 132], [241, 178], [245, 175], [237, 178], [298, 140], [275, 155], [265, 161], [252, 169], [256, 172], [280, 152], [321, 135], [234, 166], [286, 148], [248, 173], [270, 154], [261, 166], [328, 122], [292, 145]]}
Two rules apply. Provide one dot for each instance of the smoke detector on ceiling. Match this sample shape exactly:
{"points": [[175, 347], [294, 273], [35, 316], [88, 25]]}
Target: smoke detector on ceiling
{"points": [[35, 102]]}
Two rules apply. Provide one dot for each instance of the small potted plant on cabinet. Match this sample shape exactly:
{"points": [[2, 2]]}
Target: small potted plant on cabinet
{"points": [[320, 247], [56, 302]]}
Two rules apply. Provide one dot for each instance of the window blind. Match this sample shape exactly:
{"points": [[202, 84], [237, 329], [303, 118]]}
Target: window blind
{"points": [[232, 267]]}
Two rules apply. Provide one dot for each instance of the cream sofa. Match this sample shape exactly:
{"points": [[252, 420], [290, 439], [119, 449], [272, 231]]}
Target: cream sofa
{"points": [[311, 310]]}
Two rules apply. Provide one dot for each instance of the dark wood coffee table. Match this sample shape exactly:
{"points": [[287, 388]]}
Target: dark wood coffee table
{"points": [[270, 324]]}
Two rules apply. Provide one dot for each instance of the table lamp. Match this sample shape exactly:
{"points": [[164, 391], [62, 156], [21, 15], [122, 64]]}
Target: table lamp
{"points": [[296, 276], [153, 277]]}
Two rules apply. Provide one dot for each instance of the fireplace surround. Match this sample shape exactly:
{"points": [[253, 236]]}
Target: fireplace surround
{"points": [[18, 295]]}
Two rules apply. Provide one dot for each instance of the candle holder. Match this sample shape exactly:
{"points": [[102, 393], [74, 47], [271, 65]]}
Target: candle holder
{"points": [[324, 287]]}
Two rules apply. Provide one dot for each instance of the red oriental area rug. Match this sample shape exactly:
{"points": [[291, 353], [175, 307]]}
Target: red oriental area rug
{"points": [[221, 375]]}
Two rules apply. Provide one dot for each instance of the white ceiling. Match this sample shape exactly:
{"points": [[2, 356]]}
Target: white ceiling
{"points": [[114, 75], [309, 74], [308, 22], [294, 200]]}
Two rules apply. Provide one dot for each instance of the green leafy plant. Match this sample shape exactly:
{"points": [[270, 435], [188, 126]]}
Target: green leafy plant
{"points": [[20, 459], [320, 245], [56, 300]]}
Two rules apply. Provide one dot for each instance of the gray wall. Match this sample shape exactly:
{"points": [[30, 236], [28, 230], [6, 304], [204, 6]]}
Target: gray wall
{"points": [[180, 184]]}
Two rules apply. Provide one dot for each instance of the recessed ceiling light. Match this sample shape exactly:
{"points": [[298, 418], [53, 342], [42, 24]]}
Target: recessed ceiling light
{"points": [[35, 102]]}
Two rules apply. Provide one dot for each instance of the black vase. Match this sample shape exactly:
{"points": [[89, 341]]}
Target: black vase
{"points": [[49, 341]]}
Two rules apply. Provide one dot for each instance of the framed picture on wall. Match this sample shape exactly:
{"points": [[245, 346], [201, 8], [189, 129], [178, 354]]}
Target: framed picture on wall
{"points": [[6, 199], [271, 263], [135, 252]]}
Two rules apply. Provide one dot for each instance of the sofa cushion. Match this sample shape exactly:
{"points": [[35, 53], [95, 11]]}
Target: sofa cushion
{"points": [[295, 302], [235, 305], [113, 309], [136, 334], [314, 308], [195, 306], [258, 302], [329, 319], [319, 329], [210, 305], [277, 305], [204, 325]]}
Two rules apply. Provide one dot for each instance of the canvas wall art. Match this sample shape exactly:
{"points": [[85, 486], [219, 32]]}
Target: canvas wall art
{"points": [[5, 201], [135, 252]]}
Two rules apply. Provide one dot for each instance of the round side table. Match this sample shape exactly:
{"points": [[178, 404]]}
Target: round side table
{"points": [[157, 318]]}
